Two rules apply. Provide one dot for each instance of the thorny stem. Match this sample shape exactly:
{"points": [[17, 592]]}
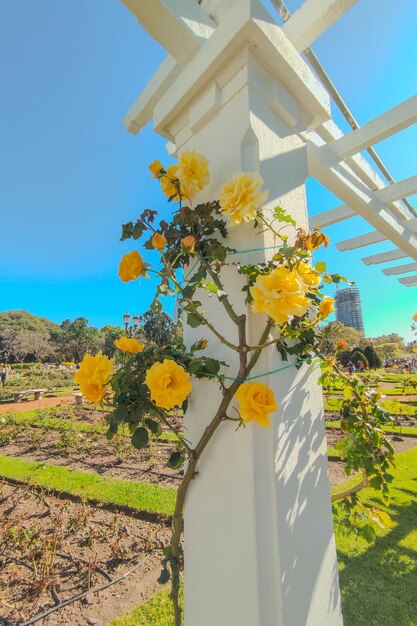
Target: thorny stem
{"points": [[172, 429]]}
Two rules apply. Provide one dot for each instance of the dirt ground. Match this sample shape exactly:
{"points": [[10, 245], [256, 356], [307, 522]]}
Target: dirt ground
{"points": [[31, 405], [50, 551]]}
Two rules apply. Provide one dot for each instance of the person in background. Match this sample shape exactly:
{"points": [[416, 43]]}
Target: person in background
{"points": [[351, 368], [3, 375]]}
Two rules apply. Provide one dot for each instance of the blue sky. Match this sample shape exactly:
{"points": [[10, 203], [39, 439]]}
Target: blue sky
{"points": [[71, 174]]}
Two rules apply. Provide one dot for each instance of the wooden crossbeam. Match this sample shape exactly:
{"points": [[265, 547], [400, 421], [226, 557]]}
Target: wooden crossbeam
{"points": [[341, 180], [397, 191], [180, 26], [400, 269], [383, 126], [384, 257], [409, 281], [360, 241], [333, 216], [312, 19], [141, 111]]}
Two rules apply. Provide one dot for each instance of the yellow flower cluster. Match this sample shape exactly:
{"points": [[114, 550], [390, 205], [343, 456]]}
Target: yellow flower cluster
{"points": [[168, 383], [280, 294], [191, 174], [256, 401], [241, 197], [129, 345], [94, 375]]}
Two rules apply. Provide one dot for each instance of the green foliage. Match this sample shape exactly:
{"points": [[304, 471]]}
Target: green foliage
{"points": [[376, 579], [373, 357], [158, 328], [357, 356]]}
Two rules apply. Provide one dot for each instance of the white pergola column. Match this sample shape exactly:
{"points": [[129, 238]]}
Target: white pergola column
{"points": [[259, 544]]}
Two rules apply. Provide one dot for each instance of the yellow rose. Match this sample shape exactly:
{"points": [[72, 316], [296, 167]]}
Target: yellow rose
{"points": [[326, 306], [241, 196], [415, 317], [310, 276], [168, 383], [188, 243], [94, 375], [280, 295], [193, 172], [159, 242], [167, 186], [129, 344], [131, 266], [255, 402], [156, 168]]}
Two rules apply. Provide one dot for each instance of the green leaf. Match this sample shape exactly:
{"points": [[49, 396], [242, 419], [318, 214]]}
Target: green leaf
{"points": [[153, 426], [140, 438], [368, 533], [156, 305], [126, 231], [138, 230], [193, 320], [163, 577], [176, 460]]}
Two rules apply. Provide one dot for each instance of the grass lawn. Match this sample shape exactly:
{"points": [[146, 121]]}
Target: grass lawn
{"points": [[379, 581], [138, 495], [156, 612]]}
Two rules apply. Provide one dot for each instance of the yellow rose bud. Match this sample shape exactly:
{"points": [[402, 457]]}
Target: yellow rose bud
{"points": [[159, 242], [415, 317], [131, 267], [129, 344], [310, 276], [156, 168], [241, 197], [280, 294], [188, 243], [326, 306], [256, 401], [168, 383], [94, 375]]}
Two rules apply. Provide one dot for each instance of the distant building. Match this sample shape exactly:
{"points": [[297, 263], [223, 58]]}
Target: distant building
{"points": [[349, 308]]}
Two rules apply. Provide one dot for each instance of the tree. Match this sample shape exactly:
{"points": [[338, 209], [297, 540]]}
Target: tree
{"points": [[109, 335], [158, 328], [373, 357], [76, 338], [334, 332]]}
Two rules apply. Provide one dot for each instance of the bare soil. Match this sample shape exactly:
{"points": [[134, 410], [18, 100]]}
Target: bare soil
{"points": [[31, 405], [53, 549], [92, 452]]}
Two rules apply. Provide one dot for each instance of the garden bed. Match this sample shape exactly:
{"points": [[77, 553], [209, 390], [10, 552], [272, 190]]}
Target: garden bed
{"points": [[54, 549]]}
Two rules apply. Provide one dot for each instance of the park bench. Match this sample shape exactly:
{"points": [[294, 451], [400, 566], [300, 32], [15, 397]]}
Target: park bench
{"points": [[79, 398], [18, 395]]}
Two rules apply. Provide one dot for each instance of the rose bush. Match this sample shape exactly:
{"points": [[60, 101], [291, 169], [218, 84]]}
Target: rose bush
{"points": [[287, 290]]}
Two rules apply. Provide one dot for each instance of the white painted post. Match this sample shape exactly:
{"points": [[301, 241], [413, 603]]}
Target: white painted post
{"points": [[259, 544]]}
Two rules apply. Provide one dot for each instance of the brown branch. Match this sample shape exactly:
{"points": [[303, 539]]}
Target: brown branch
{"points": [[350, 492]]}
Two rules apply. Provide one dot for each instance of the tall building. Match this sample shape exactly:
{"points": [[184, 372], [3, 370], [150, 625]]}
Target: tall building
{"points": [[349, 308]]}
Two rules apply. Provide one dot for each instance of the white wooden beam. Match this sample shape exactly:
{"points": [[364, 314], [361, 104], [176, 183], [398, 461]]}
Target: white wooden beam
{"points": [[360, 241], [333, 216], [383, 126], [180, 26], [142, 110], [409, 281], [398, 191], [342, 181], [312, 19], [385, 257], [400, 269]]}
